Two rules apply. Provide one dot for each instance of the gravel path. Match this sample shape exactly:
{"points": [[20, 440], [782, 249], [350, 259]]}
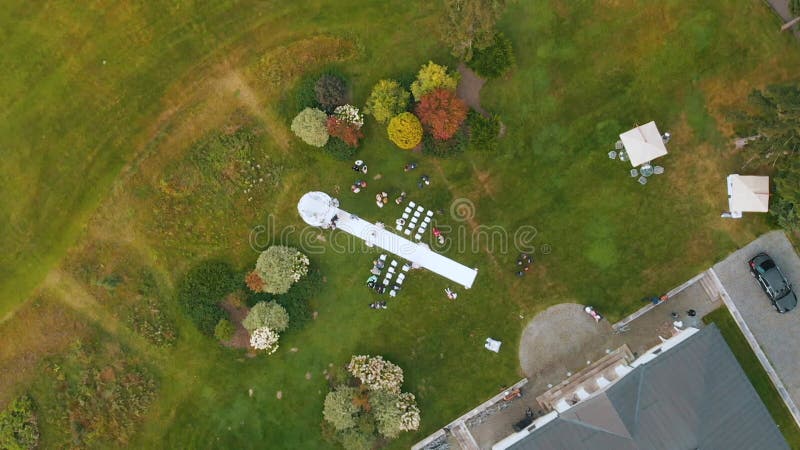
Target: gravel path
{"points": [[562, 337]]}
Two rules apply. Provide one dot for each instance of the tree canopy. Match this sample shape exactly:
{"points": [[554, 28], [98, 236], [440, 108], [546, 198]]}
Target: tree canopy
{"points": [[774, 124], [388, 99], [470, 25]]}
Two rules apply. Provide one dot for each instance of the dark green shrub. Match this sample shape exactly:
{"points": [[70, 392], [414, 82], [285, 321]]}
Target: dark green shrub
{"points": [[495, 60], [201, 291], [19, 428], [483, 132], [330, 91], [339, 149], [445, 149]]}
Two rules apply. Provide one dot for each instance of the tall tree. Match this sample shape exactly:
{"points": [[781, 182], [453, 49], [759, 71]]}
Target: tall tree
{"points": [[469, 24], [773, 123], [786, 203]]}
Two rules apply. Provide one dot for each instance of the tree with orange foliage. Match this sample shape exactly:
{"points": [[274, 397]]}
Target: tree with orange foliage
{"points": [[254, 282], [344, 130], [442, 113]]}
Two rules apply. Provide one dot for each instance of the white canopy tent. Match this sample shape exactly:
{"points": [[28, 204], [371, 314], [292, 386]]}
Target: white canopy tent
{"points": [[747, 194], [643, 144], [318, 209]]}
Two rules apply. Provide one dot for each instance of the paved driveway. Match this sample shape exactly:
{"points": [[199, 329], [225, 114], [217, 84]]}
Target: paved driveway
{"points": [[778, 335]]}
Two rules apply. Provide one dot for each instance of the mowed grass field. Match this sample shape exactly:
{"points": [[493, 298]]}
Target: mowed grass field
{"points": [[99, 177]]}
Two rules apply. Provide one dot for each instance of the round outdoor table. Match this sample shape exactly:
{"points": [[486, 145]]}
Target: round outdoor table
{"points": [[646, 170]]}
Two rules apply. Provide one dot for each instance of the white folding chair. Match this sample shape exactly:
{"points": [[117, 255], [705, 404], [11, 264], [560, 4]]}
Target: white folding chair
{"points": [[407, 232], [393, 263], [383, 257], [390, 270], [405, 215], [429, 213], [386, 281], [420, 208], [411, 204], [392, 293], [398, 227], [405, 269], [417, 236], [401, 277], [421, 229], [407, 210], [427, 220], [416, 214]]}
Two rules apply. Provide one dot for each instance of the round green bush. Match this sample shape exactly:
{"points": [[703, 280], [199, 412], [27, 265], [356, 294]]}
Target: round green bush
{"points": [[388, 99], [266, 314], [495, 60], [224, 330], [339, 149], [483, 132], [311, 127]]}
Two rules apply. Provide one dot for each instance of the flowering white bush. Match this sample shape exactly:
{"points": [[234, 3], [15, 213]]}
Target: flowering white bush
{"points": [[279, 267], [265, 339], [409, 421], [349, 114], [376, 373]]}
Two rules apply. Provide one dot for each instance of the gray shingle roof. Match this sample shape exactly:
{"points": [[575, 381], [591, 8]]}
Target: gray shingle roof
{"points": [[694, 396]]}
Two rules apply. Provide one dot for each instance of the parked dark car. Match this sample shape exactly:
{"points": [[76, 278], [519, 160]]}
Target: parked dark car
{"points": [[774, 282]]}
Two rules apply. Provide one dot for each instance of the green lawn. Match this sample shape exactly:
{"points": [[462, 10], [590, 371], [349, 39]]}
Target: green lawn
{"points": [[586, 71], [757, 375]]}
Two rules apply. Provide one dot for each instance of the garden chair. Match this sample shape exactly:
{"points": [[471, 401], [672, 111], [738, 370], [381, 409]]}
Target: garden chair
{"points": [[420, 209], [407, 211], [427, 220], [411, 204], [429, 213], [393, 263], [407, 232], [612, 155], [642, 180], [658, 170], [405, 215], [417, 236], [398, 227], [382, 257], [634, 173], [618, 145], [416, 213], [405, 269]]}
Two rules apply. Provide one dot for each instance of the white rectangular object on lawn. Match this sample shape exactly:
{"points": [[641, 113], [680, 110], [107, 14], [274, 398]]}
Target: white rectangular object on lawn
{"points": [[643, 144]]}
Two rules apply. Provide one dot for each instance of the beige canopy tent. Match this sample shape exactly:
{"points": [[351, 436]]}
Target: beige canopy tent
{"points": [[747, 194], [643, 144]]}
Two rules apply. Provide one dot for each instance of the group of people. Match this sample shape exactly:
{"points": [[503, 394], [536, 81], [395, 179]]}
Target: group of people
{"points": [[524, 264], [372, 281], [424, 180], [437, 234], [358, 185], [381, 199], [360, 166]]}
